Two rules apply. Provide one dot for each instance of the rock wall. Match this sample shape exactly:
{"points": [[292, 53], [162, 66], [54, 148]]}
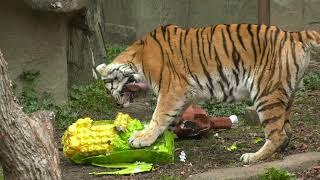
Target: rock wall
{"points": [[120, 20], [86, 47], [35, 40]]}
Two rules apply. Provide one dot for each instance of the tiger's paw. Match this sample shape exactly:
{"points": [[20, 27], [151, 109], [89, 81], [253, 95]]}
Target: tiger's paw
{"points": [[143, 138], [248, 158]]}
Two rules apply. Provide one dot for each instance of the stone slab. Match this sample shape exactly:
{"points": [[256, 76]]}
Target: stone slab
{"points": [[292, 162]]}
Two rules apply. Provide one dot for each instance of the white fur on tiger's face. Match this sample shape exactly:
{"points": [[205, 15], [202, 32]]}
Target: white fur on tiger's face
{"points": [[115, 77]]}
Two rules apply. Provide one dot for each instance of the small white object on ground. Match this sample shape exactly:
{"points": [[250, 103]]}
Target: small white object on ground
{"points": [[216, 135], [182, 156], [234, 119]]}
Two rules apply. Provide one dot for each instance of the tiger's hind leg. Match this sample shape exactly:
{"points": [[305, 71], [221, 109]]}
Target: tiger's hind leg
{"points": [[287, 125], [288, 130], [273, 114]]}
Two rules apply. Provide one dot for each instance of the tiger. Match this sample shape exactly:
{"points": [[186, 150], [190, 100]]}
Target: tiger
{"points": [[220, 63]]}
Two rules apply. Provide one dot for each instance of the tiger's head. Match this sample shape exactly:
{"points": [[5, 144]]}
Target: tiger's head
{"points": [[117, 80]]}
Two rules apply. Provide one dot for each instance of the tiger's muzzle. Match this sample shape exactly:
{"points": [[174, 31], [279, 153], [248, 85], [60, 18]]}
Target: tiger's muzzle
{"points": [[121, 83]]}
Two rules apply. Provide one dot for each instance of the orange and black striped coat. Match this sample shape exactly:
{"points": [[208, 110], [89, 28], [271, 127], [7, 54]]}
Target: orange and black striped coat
{"points": [[225, 62]]}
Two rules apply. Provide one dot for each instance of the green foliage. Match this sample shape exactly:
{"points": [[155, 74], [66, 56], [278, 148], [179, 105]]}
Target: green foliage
{"points": [[113, 51], [31, 100], [223, 109], [85, 101], [30, 75], [1, 173], [154, 99], [276, 174], [233, 147], [311, 81], [258, 140], [91, 98], [64, 116]]}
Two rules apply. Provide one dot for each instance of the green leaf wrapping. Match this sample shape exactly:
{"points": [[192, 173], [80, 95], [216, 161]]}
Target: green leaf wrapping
{"points": [[162, 151], [129, 168]]}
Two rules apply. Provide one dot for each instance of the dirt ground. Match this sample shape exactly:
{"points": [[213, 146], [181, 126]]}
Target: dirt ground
{"points": [[210, 152]]}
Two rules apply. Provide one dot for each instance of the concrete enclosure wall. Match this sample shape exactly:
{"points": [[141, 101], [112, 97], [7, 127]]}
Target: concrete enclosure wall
{"points": [[295, 15], [127, 20], [35, 40]]}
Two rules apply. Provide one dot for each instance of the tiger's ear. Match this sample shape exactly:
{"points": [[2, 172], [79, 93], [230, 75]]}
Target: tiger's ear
{"points": [[102, 69]]}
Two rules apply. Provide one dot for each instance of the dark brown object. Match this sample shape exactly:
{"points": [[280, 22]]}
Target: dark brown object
{"points": [[27, 148], [264, 12], [196, 122], [251, 116]]}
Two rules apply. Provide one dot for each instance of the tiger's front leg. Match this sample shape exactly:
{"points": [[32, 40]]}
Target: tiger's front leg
{"points": [[168, 108]]}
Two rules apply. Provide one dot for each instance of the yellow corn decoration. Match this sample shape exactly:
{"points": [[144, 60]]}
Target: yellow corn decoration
{"points": [[123, 121], [87, 137], [106, 142]]}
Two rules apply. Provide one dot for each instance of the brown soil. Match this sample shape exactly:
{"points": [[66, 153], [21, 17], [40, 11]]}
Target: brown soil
{"points": [[311, 173], [210, 152]]}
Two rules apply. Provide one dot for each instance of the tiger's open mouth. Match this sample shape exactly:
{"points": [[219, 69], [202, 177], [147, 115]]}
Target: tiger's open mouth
{"points": [[126, 92], [130, 89]]}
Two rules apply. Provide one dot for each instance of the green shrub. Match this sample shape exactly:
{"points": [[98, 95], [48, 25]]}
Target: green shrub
{"points": [[1, 173], [113, 51], [276, 174], [311, 81], [91, 100], [29, 98], [84, 101], [224, 109]]}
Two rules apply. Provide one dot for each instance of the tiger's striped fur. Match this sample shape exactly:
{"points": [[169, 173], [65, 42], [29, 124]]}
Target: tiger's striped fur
{"points": [[222, 63]]}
